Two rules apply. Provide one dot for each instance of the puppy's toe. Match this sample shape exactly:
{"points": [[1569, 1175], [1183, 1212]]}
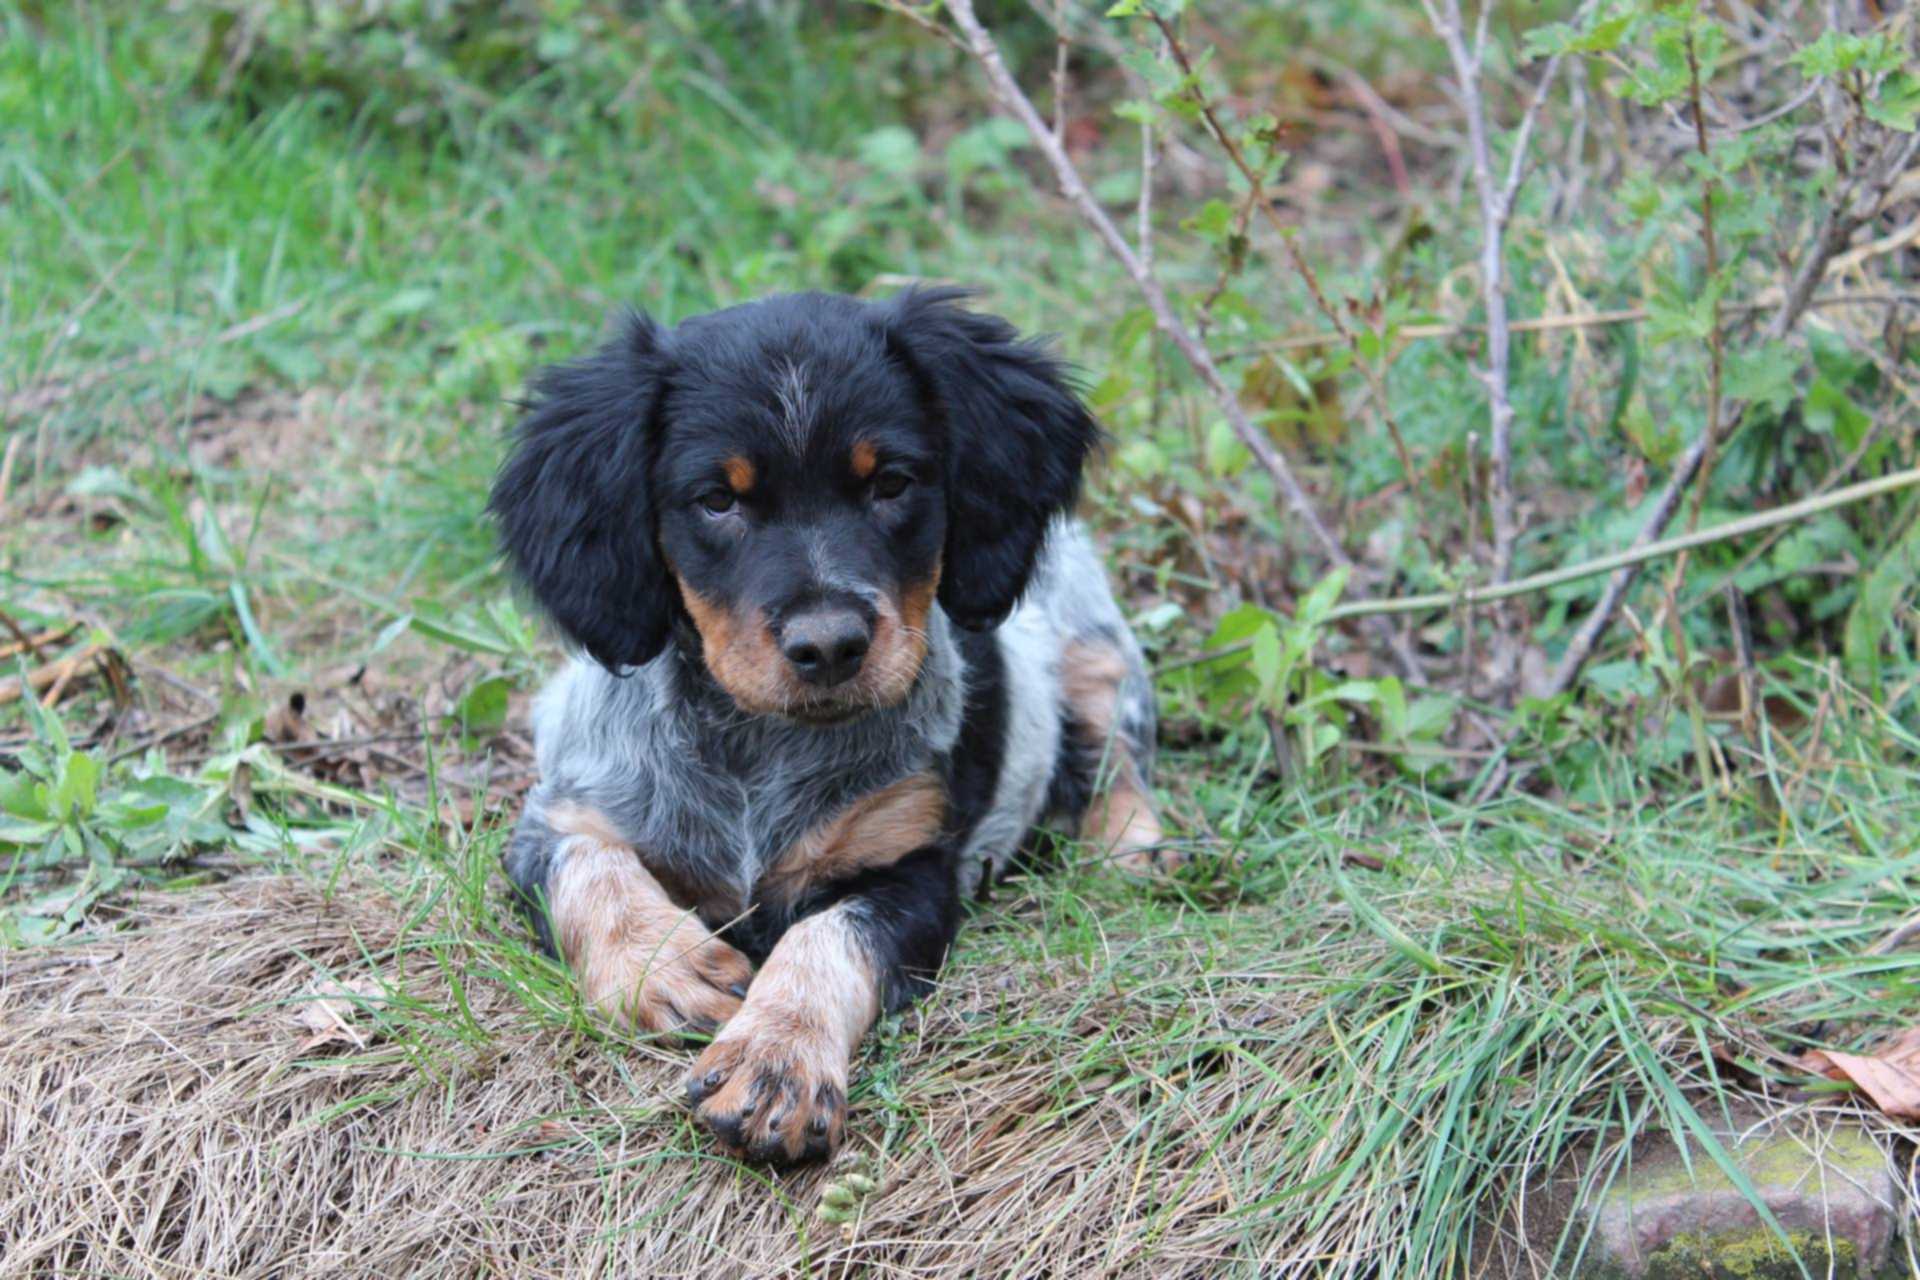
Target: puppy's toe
{"points": [[702, 1009], [678, 999], [724, 967], [769, 1100], [1150, 860]]}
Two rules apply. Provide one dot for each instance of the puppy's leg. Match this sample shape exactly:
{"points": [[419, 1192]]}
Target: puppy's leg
{"points": [[635, 955], [773, 1084], [1108, 700]]}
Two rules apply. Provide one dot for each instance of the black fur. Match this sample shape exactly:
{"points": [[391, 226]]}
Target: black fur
{"points": [[1017, 438], [603, 485], [972, 769], [907, 915], [736, 490], [574, 506]]}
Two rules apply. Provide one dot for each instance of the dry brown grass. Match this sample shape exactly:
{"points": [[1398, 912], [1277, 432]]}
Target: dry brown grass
{"points": [[167, 1108]]}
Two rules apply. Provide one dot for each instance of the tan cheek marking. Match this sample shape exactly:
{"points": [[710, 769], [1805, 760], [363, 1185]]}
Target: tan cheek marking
{"points": [[877, 830], [900, 639], [636, 956], [741, 655], [739, 474], [864, 460], [1090, 676]]}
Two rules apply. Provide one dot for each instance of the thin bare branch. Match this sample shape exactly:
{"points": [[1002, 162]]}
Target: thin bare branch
{"points": [[1769, 300], [1716, 350], [980, 44], [1496, 210], [1630, 557], [1060, 45], [1256, 187]]}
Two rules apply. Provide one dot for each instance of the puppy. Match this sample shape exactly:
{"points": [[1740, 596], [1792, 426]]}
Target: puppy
{"points": [[842, 648]]}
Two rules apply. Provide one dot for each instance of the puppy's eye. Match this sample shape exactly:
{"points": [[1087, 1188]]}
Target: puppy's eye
{"points": [[718, 502], [891, 484]]}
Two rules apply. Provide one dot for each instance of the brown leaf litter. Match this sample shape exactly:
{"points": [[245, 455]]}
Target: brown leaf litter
{"points": [[1890, 1075], [272, 1078]]}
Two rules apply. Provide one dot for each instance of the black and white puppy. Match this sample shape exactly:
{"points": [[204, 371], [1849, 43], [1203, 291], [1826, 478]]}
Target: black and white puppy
{"points": [[843, 648]]}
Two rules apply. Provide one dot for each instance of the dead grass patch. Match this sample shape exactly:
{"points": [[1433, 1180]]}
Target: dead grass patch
{"points": [[168, 1107]]}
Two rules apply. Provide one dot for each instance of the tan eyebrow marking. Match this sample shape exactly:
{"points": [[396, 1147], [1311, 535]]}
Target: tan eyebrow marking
{"points": [[864, 459], [739, 474]]}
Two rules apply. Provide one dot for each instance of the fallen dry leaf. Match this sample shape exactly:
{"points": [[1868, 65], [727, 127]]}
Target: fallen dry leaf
{"points": [[328, 1007], [1890, 1075]]}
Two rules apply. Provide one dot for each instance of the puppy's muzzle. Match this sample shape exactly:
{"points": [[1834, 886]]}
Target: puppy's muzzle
{"points": [[826, 645]]}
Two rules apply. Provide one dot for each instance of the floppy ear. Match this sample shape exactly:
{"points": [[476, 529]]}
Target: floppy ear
{"points": [[572, 499], [1017, 438]]}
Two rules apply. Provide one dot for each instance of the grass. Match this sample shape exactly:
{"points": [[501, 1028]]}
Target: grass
{"points": [[258, 354]]}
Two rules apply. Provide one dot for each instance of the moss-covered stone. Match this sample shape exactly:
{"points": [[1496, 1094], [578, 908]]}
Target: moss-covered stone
{"points": [[1753, 1255], [1665, 1218]]}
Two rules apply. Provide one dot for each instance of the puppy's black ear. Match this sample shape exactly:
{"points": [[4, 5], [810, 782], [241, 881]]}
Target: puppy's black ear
{"points": [[573, 502], [1017, 438]]}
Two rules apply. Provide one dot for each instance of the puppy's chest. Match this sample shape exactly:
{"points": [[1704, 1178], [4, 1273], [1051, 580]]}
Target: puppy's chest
{"points": [[771, 838]]}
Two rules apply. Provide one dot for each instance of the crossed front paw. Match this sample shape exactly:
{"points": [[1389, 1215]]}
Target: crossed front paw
{"points": [[680, 983], [774, 1091]]}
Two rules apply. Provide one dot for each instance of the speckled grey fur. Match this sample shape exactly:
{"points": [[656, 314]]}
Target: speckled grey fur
{"points": [[713, 797]]}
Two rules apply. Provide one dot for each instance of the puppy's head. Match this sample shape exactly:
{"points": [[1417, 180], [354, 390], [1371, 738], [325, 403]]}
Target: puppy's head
{"points": [[789, 486]]}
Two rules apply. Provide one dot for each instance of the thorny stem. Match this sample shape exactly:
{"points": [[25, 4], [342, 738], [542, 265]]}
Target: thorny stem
{"points": [[1257, 193], [1715, 343], [980, 44]]}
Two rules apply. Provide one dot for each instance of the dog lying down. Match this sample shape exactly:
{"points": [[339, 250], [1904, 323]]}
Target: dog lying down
{"points": [[842, 649]]}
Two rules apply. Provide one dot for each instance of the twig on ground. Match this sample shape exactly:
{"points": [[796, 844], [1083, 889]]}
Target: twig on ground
{"points": [[51, 675], [165, 735], [1905, 932], [1590, 320], [1630, 557], [34, 644], [1846, 215]]}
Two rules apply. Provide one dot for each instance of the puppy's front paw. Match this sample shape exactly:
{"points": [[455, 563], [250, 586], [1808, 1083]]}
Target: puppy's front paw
{"points": [[1124, 825], [676, 984], [772, 1089]]}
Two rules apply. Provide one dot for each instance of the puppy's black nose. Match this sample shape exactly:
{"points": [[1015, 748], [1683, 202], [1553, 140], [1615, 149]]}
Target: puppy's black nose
{"points": [[826, 646]]}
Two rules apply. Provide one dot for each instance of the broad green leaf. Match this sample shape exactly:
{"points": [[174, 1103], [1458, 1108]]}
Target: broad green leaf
{"points": [[1831, 410], [1763, 375], [1896, 104], [1268, 666], [482, 709], [1315, 605], [1881, 593], [1213, 222], [79, 785], [1238, 624]]}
